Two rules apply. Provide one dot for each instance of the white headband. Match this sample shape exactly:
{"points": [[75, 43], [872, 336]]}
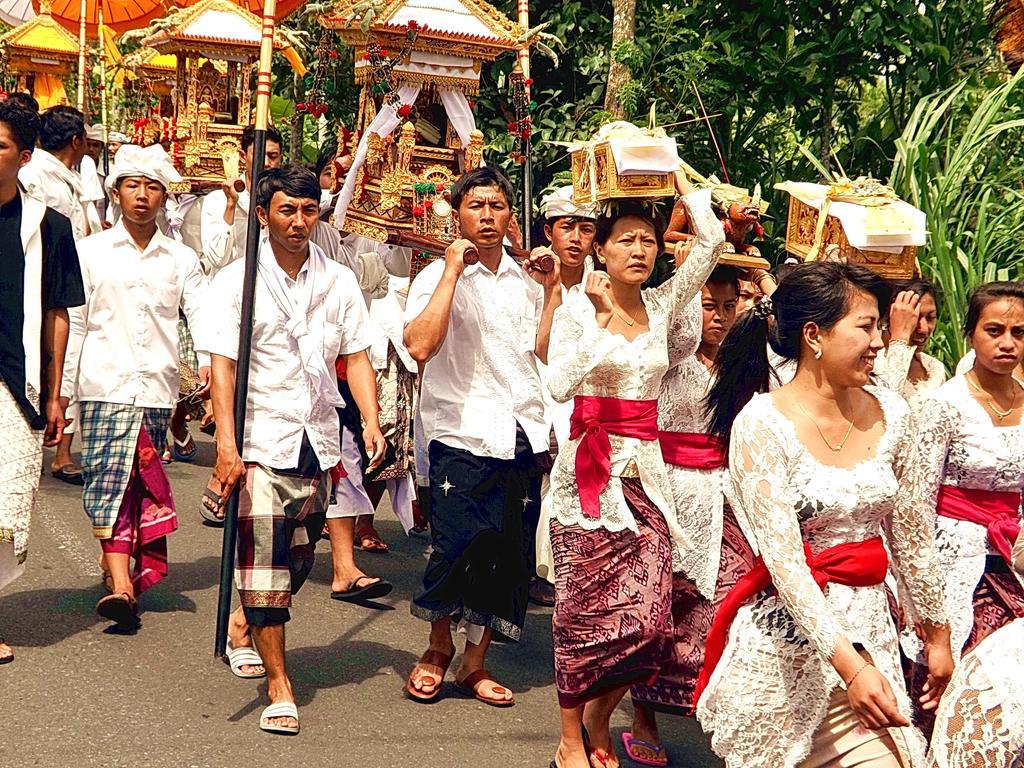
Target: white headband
{"points": [[152, 162], [559, 204]]}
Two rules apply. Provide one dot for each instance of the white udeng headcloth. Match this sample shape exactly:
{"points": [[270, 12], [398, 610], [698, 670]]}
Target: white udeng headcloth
{"points": [[151, 162], [559, 204]]}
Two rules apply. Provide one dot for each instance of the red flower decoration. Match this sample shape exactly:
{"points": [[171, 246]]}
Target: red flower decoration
{"points": [[300, 107], [418, 210], [367, 56], [333, 54], [413, 24], [405, 110], [529, 81], [383, 52], [428, 204]]}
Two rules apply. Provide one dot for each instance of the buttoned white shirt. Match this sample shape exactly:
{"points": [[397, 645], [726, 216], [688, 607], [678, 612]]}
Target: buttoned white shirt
{"points": [[484, 378], [224, 243], [281, 406], [123, 344]]}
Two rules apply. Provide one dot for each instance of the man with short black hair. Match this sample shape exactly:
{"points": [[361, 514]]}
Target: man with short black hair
{"points": [[477, 322], [123, 365], [39, 281], [308, 312], [52, 176], [24, 100]]}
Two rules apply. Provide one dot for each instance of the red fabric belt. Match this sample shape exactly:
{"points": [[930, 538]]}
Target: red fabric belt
{"points": [[593, 419], [856, 564], [999, 511], [693, 450]]}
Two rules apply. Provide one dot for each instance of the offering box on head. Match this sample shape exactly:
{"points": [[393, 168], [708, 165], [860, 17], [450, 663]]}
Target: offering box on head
{"points": [[623, 161], [859, 222]]}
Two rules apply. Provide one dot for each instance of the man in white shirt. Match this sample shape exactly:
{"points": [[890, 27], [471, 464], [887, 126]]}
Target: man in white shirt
{"points": [[308, 313], [51, 176], [477, 322], [123, 363]]}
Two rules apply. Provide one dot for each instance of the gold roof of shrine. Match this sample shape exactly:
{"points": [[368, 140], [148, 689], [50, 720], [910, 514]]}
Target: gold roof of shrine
{"points": [[216, 28], [471, 28], [42, 35]]}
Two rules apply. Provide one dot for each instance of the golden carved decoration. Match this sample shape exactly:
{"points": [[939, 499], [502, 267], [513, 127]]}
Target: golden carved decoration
{"points": [[392, 184], [363, 229], [475, 150], [374, 150], [406, 146], [600, 170], [801, 226]]}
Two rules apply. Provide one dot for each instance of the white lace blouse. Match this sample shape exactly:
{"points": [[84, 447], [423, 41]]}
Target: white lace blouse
{"points": [[892, 367], [585, 359], [961, 447], [771, 689], [698, 494]]}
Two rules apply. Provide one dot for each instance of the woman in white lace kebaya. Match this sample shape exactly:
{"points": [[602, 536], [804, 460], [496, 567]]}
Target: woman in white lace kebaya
{"points": [[972, 469], [980, 722], [613, 525], [903, 365], [802, 663], [697, 469]]}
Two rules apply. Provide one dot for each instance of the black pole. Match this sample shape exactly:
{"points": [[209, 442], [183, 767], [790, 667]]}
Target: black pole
{"points": [[252, 241]]}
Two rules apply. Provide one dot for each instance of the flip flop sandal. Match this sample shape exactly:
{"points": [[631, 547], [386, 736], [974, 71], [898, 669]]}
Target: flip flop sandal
{"points": [[208, 514], [244, 657], [468, 687], [70, 474], [120, 608], [357, 594], [377, 544], [281, 709], [434, 659], [657, 762], [6, 659], [178, 451]]}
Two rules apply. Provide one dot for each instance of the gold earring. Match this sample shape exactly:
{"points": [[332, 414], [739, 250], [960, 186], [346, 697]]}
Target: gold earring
{"points": [[600, 258], [817, 353]]}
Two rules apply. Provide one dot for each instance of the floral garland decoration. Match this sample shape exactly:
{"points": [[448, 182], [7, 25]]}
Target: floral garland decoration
{"points": [[316, 96], [383, 65], [521, 127]]}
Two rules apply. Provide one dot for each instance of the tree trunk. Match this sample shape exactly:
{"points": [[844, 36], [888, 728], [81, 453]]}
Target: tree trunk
{"points": [[623, 29], [298, 121]]}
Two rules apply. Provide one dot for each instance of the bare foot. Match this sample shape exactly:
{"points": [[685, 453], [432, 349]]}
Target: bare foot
{"points": [[571, 756]]}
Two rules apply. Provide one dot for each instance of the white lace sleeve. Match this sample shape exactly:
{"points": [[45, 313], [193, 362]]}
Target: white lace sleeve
{"points": [[911, 529], [894, 373], [577, 344], [676, 292], [758, 459]]}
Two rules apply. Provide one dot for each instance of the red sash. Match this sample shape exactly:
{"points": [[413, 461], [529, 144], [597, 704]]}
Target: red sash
{"points": [[593, 418], [694, 450], [856, 564], [996, 510]]}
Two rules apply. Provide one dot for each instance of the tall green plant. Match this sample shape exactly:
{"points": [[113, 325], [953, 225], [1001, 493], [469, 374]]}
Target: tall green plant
{"points": [[959, 161]]}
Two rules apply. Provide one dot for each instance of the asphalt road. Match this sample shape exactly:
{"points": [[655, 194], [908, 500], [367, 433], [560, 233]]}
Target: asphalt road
{"points": [[77, 696]]}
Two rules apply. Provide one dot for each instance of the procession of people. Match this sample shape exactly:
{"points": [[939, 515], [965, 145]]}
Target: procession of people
{"points": [[752, 499]]}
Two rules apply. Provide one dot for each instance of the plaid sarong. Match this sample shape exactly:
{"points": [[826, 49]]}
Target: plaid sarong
{"points": [[110, 438], [280, 519], [19, 483]]}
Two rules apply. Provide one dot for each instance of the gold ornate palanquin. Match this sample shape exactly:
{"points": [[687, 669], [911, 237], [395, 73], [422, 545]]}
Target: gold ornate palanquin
{"points": [[802, 225], [401, 186], [216, 43], [595, 178], [40, 46]]}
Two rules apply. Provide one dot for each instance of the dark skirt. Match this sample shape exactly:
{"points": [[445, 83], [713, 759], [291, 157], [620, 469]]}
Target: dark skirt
{"points": [[692, 615], [998, 600], [612, 624], [483, 517]]}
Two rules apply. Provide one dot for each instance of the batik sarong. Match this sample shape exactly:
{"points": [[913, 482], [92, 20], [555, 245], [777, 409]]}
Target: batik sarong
{"points": [[280, 520], [692, 615], [20, 461], [612, 624], [483, 513], [998, 600], [127, 494]]}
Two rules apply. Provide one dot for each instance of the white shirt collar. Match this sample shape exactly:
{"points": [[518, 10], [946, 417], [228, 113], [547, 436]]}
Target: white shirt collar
{"points": [[507, 263], [158, 241]]}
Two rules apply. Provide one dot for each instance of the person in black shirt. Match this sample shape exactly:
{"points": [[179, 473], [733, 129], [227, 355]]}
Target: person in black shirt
{"points": [[39, 279]]}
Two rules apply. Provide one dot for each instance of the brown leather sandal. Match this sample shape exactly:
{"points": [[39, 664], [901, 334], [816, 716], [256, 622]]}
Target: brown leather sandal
{"points": [[434, 659], [468, 686], [121, 608]]}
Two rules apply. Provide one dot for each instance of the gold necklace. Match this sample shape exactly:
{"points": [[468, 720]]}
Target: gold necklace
{"points": [[627, 319], [835, 448], [990, 401]]}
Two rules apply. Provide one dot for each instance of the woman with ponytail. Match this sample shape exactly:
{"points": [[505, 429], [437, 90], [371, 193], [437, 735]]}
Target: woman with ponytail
{"points": [[802, 666], [613, 523]]}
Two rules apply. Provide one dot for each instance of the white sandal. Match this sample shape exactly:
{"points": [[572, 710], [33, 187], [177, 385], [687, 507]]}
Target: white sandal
{"points": [[280, 709], [245, 657]]}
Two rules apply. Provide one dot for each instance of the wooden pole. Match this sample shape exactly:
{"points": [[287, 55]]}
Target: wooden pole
{"points": [[524, 64], [259, 149], [81, 56], [103, 90]]}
